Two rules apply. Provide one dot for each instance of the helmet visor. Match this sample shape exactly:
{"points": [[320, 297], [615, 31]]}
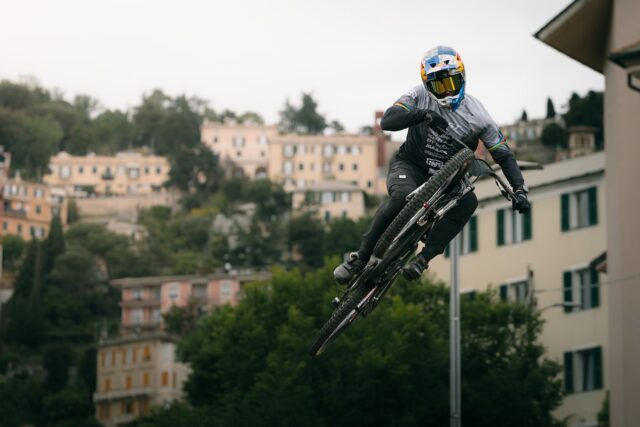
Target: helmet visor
{"points": [[446, 86]]}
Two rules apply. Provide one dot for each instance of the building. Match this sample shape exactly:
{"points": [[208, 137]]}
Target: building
{"points": [[547, 256], [302, 160], [135, 373], [145, 299], [244, 145], [331, 199], [29, 208], [124, 173], [525, 139], [604, 36], [139, 369]]}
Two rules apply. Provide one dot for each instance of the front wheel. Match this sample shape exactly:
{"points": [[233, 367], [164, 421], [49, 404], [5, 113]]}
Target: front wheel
{"points": [[341, 318], [451, 170]]}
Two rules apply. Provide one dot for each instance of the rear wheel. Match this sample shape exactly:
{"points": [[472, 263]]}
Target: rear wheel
{"points": [[441, 179], [340, 319]]}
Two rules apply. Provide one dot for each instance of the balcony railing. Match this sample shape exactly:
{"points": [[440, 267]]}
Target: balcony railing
{"points": [[20, 213]]}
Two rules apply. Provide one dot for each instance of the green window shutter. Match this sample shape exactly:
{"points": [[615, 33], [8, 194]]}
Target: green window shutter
{"points": [[595, 288], [503, 292], [500, 226], [564, 211], [526, 235], [593, 205], [597, 370], [568, 372], [473, 234], [568, 291], [447, 251]]}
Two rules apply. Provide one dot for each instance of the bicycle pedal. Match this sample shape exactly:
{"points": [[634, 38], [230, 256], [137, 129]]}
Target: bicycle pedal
{"points": [[336, 301]]}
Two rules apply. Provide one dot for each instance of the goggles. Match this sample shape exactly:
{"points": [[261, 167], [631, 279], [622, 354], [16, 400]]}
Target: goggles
{"points": [[446, 86]]}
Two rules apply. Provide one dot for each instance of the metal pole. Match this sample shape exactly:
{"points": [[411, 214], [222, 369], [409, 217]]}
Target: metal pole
{"points": [[454, 336]]}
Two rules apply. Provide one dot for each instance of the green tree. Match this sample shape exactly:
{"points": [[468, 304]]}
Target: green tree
{"points": [[554, 135], [57, 360], [551, 110], [344, 235], [305, 119], [524, 117], [41, 136], [587, 111], [54, 243], [305, 236], [12, 250], [114, 131], [336, 126], [250, 362], [251, 117]]}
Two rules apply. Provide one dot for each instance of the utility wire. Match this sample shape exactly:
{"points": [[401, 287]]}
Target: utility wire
{"points": [[592, 285]]}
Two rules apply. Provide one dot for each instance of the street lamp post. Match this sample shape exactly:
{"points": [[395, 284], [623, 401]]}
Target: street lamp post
{"points": [[454, 337]]}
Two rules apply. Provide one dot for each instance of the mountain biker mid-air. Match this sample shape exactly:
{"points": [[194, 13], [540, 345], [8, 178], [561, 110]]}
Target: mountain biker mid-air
{"points": [[437, 107]]}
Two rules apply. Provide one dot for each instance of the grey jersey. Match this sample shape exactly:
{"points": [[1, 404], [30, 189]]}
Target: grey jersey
{"points": [[469, 123]]}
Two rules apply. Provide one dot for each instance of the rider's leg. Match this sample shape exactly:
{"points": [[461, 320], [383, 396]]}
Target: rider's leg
{"points": [[441, 234], [402, 179], [449, 226]]}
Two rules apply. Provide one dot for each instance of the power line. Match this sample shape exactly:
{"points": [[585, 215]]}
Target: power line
{"points": [[592, 285]]}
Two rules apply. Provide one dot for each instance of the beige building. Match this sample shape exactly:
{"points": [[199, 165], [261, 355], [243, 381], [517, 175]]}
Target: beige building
{"points": [[139, 369], [245, 145], [331, 199], [604, 35], [29, 207], [302, 160], [124, 173], [557, 243], [135, 373]]}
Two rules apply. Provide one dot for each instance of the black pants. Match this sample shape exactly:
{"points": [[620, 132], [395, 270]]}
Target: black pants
{"points": [[403, 178]]}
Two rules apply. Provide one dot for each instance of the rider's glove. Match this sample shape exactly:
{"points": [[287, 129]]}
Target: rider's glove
{"points": [[521, 203], [434, 120]]}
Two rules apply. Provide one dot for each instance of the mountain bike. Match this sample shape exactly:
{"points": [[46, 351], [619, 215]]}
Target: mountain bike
{"points": [[426, 205]]}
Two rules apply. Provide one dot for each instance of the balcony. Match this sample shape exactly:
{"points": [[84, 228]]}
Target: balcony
{"points": [[140, 302], [107, 176], [16, 213]]}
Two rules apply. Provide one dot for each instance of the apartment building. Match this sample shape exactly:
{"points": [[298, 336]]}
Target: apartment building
{"points": [[330, 199], [135, 373], [548, 256], [139, 369], [244, 145], [124, 173], [146, 299], [29, 207], [302, 160], [603, 35]]}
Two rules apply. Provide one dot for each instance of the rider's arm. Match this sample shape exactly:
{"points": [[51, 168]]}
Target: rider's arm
{"points": [[503, 156], [403, 113]]}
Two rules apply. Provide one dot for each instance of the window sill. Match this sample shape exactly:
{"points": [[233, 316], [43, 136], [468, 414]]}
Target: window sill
{"points": [[579, 228], [513, 243]]}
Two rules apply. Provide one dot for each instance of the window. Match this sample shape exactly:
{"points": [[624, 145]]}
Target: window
{"points": [[238, 141], [227, 288], [326, 197], [300, 183], [301, 166], [136, 316], [145, 379], [345, 197], [94, 170], [468, 238], [354, 167], [146, 354], [583, 370], [312, 167], [302, 149], [65, 171], [134, 173], [136, 294], [326, 167], [581, 289], [19, 228], [155, 316], [355, 150], [512, 227], [38, 193], [579, 209], [200, 291], [165, 379], [263, 140], [128, 382], [515, 292], [173, 291], [328, 150], [104, 410], [126, 407], [5, 226], [341, 166], [327, 216], [146, 171], [287, 168], [107, 384], [156, 293], [341, 149], [369, 184], [288, 150]]}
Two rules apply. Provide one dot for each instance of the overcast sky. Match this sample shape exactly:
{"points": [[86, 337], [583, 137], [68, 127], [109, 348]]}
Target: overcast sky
{"points": [[355, 56]]}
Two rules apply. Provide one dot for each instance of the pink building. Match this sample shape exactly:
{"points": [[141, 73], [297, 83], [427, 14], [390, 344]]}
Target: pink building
{"points": [[146, 299]]}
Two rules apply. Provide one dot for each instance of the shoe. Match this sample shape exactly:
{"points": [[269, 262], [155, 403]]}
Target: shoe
{"points": [[349, 268], [413, 271]]}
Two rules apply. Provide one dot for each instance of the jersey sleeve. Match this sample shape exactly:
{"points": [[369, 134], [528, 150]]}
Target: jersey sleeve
{"points": [[496, 144], [403, 113]]}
